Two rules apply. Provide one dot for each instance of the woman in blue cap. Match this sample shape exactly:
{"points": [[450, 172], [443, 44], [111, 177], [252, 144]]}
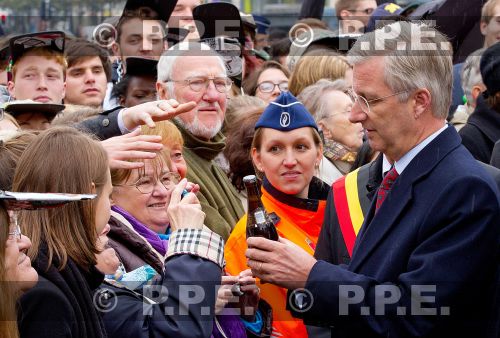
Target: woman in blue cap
{"points": [[286, 149]]}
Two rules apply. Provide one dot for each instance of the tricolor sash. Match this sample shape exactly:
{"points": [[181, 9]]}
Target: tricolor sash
{"points": [[348, 207]]}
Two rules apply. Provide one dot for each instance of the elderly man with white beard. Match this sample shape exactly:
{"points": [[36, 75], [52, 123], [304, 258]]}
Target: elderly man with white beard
{"points": [[192, 72]]}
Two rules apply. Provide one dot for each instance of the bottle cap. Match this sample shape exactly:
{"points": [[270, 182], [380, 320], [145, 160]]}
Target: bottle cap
{"points": [[249, 178]]}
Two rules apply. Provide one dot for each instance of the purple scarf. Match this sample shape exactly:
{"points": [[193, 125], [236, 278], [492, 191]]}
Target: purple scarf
{"points": [[152, 237], [231, 324]]}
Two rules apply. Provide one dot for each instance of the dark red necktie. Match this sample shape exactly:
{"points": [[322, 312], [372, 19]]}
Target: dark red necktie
{"points": [[386, 185]]}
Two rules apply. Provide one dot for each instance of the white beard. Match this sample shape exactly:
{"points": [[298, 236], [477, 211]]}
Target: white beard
{"points": [[200, 130], [196, 127]]}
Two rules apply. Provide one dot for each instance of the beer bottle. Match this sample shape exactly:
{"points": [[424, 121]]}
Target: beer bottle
{"points": [[259, 223]]}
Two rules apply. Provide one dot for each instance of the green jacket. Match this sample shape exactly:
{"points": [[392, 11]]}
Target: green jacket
{"points": [[219, 200]]}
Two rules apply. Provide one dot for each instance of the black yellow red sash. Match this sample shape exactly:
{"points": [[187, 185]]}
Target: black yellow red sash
{"points": [[348, 208]]}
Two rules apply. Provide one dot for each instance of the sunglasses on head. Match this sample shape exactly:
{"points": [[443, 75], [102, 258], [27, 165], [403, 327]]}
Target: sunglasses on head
{"points": [[20, 44]]}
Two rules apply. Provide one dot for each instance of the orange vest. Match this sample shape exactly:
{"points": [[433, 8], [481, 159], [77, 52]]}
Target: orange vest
{"points": [[297, 225]]}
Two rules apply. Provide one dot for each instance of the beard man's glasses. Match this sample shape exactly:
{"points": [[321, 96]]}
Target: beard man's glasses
{"points": [[200, 83]]}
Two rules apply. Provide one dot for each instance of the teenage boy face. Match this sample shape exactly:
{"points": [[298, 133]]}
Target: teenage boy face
{"points": [[140, 38], [38, 78], [86, 82]]}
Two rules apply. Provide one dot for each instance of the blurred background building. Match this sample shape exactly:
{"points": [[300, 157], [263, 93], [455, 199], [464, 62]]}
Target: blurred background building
{"points": [[78, 16]]}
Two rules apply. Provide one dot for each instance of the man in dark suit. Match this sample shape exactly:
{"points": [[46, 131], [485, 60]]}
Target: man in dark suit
{"points": [[425, 262]]}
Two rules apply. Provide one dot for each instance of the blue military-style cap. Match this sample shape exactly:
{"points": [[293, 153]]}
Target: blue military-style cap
{"points": [[286, 113], [262, 23]]}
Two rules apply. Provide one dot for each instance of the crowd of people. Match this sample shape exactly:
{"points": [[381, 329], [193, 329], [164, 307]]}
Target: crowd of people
{"points": [[385, 191]]}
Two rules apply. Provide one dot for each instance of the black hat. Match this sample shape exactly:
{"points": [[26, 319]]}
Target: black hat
{"points": [[21, 43], [221, 28], [163, 8], [426, 9], [50, 110], [490, 69], [141, 67], [219, 19], [176, 35]]}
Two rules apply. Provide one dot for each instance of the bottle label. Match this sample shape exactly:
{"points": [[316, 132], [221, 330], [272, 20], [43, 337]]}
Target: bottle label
{"points": [[260, 217]]}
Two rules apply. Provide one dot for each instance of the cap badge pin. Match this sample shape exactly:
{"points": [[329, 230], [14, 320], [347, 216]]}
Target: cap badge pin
{"points": [[285, 119]]}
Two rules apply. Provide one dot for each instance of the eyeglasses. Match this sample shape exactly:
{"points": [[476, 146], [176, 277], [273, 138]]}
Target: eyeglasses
{"points": [[268, 86], [364, 104], [16, 234], [199, 83], [147, 184], [367, 11]]}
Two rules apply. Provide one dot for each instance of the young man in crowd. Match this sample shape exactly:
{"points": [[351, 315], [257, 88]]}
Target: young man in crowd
{"points": [[38, 73], [89, 71], [141, 30], [182, 17]]}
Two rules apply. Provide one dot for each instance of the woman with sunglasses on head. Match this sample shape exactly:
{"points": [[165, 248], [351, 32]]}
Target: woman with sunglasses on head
{"points": [[286, 150], [268, 82]]}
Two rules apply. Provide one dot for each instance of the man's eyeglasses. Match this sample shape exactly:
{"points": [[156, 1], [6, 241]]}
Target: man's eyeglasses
{"points": [[16, 233], [199, 83], [364, 104], [147, 184], [367, 11], [268, 86]]}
